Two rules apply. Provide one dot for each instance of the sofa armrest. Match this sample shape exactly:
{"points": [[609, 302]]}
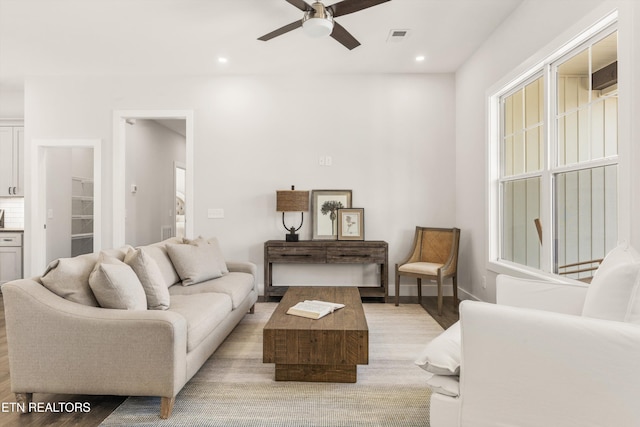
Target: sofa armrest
{"points": [[578, 371], [58, 346], [242, 267], [541, 295]]}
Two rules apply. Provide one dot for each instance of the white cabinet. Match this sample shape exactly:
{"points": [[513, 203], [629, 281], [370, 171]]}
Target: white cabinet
{"points": [[10, 256], [11, 161]]}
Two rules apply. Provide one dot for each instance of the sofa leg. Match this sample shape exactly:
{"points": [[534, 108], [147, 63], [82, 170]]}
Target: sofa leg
{"points": [[252, 309], [24, 401], [166, 406]]}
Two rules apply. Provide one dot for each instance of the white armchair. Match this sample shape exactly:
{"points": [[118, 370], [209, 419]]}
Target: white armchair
{"points": [[535, 359]]}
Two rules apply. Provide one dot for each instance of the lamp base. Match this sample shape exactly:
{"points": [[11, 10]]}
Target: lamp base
{"points": [[291, 237]]}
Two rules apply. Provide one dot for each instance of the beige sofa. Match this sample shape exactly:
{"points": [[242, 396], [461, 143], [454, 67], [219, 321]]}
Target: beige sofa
{"points": [[62, 341]]}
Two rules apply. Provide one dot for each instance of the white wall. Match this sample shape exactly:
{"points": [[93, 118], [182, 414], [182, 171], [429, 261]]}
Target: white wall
{"points": [[11, 102], [391, 138], [536, 26], [151, 151]]}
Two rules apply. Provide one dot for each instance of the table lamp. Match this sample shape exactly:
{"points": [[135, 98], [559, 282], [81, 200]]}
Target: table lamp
{"points": [[292, 201]]}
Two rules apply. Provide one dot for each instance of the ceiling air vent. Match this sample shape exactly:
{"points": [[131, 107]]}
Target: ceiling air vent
{"points": [[396, 36]]}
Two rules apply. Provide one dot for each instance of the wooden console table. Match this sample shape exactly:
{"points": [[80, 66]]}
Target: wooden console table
{"points": [[327, 252]]}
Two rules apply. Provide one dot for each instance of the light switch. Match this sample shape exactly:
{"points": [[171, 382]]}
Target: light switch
{"points": [[216, 213]]}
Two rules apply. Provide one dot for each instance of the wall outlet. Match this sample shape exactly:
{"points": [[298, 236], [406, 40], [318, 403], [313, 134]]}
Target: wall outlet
{"points": [[484, 282]]}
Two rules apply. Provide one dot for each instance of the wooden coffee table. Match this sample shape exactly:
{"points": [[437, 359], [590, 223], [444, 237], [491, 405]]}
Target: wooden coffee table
{"points": [[323, 350]]}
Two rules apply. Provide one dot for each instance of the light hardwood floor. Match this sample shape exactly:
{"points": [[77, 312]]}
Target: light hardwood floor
{"points": [[102, 406]]}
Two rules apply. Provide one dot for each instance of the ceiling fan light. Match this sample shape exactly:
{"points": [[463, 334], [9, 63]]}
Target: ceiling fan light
{"points": [[318, 27]]}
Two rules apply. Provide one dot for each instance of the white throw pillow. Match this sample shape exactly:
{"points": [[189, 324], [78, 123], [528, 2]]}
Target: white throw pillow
{"points": [[115, 285], [442, 355], [194, 263], [69, 278], [218, 256], [614, 292], [149, 274], [448, 385]]}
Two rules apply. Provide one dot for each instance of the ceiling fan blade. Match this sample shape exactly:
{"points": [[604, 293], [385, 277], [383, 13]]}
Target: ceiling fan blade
{"points": [[346, 7], [344, 37], [300, 4], [281, 31]]}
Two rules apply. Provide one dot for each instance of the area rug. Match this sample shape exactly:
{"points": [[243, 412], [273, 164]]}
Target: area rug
{"points": [[234, 387]]}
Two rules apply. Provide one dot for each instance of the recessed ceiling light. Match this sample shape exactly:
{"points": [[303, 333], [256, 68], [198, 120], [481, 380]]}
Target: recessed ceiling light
{"points": [[420, 58], [223, 60]]}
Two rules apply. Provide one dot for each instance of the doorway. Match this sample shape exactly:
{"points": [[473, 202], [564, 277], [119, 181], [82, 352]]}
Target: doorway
{"points": [[153, 146], [69, 189], [179, 181], [124, 187], [52, 178]]}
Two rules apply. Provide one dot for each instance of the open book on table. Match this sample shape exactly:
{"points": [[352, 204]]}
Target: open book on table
{"points": [[314, 309]]}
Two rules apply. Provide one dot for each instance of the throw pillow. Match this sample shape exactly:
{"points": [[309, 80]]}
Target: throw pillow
{"points": [[193, 262], [218, 256], [158, 251], [115, 285], [442, 355], [69, 278], [149, 274], [445, 384], [614, 292]]}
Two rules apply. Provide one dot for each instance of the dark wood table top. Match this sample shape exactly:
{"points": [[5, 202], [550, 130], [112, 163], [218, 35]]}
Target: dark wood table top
{"points": [[350, 317]]}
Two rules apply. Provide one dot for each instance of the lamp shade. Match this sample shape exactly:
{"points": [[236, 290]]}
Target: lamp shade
{"points": [[292, 201]]}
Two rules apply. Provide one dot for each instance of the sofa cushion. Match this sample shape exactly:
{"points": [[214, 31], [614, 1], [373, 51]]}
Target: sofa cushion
{"points": [[442, 355], [218, 256], [69, 278], [235, 284], [115, 285], [614, 292], [203, 313], [149, 274], [428, 268], [158, 251], [194, 263]]}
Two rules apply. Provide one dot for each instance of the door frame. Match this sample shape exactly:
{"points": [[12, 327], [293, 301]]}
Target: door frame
{"points": [[38, 211], [120, 118]]}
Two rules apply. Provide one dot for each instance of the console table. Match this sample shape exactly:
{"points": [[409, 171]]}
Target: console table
{"points": [[327, 252]]}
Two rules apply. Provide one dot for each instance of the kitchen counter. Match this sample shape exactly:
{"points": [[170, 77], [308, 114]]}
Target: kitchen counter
{"points": [[12, 230]]}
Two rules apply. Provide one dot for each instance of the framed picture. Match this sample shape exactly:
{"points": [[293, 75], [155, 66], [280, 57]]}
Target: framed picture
{"points": [[324, 208], [351, 224]]}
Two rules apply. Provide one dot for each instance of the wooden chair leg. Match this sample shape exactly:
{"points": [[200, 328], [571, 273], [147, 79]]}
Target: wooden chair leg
{"points": [[24, 400], [166, 406], [419, 280], [439, 280], [455, 291], [397, 286]]}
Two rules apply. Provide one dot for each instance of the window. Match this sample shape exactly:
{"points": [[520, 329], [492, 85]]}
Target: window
{"points": [[557, 161]]}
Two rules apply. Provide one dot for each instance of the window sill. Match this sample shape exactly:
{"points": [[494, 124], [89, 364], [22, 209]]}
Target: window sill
{"points": [[517, 270]]}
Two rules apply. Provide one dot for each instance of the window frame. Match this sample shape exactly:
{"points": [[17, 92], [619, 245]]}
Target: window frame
{"points": [[550, 167]]}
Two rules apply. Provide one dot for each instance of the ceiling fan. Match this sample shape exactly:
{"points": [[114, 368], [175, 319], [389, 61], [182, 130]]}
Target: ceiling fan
{"points": [[318, 20]]}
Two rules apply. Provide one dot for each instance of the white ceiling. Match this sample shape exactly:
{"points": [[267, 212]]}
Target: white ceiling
{"points": [[186, 37]]}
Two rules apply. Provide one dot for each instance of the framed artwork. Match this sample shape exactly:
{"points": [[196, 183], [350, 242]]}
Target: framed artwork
{"points": [[324, 208], [351, 224]]}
